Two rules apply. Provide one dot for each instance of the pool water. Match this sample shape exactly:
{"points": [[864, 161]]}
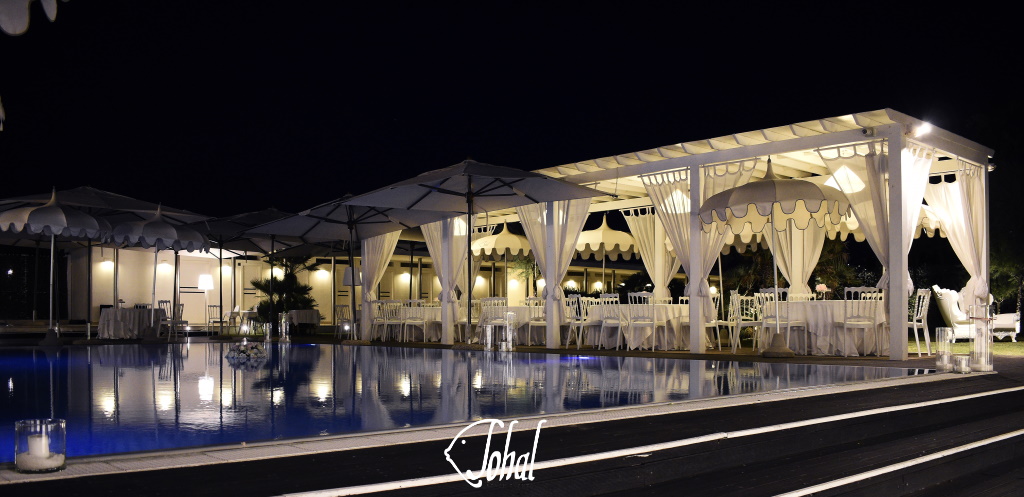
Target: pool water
{"points": [[135, 398]]}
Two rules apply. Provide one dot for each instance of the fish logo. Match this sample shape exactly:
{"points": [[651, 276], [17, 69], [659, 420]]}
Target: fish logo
{"points": [[503, 465]]}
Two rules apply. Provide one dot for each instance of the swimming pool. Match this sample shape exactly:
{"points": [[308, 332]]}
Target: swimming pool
{"points": [[135, 398]]}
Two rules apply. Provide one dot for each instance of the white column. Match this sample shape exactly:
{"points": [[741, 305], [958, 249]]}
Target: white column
{"points": [[696, 313], [897, 256], [660, 258], [551, 258]]}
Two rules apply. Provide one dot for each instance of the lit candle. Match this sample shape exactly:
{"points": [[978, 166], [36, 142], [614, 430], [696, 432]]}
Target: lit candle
{"points": [[39, 445]]}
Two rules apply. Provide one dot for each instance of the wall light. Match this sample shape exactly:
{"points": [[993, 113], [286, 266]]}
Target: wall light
{"points": [[277, 272], [598, 286], [480, 281], [540, 283], [323, 274], [404, 277], [107, 264], [713, 290], [570, 284], [513, 284]]}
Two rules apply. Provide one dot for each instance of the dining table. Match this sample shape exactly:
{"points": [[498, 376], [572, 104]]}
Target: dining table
{"points": [[676, 319], [125, 323], [432, 316], [822, 320]]}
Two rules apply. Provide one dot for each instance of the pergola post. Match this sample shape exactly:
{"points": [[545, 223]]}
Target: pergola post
{"points": [[696, 314], [551, 258], [897, 256]]}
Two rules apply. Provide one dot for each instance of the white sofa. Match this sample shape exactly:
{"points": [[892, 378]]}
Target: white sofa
{"points": [[1004, 325]]}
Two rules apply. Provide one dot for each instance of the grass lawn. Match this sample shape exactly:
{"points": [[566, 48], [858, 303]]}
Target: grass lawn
{"points": [[1006, 348]]}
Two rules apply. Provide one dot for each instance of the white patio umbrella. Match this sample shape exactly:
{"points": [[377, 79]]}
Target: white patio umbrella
{"points": [[504, 243], [611, 243], [336, 221], [776, 202], [53, 219], [472, 187], [160, 234]]}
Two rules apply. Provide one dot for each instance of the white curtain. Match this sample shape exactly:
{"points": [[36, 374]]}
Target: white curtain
{"points": [[642, 225], [670, 194], [446, 242], [960, 208], [797, 252], [570, 215], [377, 252], [861, 171], [460, 283]]}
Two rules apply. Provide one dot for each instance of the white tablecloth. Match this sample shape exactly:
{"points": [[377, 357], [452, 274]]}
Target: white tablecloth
{"points": [[127, 323], [826, 338], [433, 319], [307, 316], [675, 316]]}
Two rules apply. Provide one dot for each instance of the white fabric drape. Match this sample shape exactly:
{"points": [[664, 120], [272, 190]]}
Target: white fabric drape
{"points": [[861, 171], [797, 252], [461, 282], [641, 224], [671, 198], [960, 208], [446, 242], [570, 215], [377, 252]]}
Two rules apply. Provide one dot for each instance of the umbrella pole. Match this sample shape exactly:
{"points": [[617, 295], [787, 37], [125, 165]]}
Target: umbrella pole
{"points": [[469, 253], [52, 257], [273, 315], [220, 283], [88, 289], [352, 274], [152, 308], [35, 284]]}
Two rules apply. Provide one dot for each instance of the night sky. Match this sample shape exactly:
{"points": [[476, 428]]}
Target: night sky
{"points": [[226, 107]]}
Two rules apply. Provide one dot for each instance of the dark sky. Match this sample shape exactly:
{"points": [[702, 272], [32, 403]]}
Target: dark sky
{"points": [[224, 107]]}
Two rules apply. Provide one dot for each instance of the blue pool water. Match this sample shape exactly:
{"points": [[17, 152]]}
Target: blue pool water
{"points": [[134, 398]]}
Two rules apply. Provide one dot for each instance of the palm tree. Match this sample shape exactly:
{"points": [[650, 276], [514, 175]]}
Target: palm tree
{"points": [[289, 294]]}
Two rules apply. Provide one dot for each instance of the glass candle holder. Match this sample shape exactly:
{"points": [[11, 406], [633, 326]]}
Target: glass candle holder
{"points": [[981, 339], [39, 445], [943, 349], [961, 363]]}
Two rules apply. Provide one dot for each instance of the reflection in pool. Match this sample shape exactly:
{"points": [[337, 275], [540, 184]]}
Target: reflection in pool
{"points": [[132, 398]]}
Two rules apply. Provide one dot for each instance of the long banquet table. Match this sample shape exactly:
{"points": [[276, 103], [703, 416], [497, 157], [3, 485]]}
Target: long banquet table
{"points": [[675, 316], [826, 338], [128, 322]]}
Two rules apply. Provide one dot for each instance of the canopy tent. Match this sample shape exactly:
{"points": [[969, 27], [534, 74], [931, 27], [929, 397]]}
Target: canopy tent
{"points": [[653, 245], [794, 150]]}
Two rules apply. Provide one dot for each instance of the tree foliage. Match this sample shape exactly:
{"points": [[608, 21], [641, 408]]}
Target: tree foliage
{"points": [[289, 294]]}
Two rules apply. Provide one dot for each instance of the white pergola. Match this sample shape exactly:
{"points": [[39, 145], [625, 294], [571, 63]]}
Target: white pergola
{"points": [[794, 150]]}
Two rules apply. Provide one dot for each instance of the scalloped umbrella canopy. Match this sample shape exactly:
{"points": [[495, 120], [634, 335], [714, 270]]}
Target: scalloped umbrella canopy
{"points": [[53, 218], [615, 244], [157, 232], [775, 202], [497, 245], [113, 207]]}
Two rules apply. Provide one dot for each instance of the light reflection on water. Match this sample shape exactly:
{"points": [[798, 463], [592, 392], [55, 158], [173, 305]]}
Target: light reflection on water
{"points": [[131, 398]]}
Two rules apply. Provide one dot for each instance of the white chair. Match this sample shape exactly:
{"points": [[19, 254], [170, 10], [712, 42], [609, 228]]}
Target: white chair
{"points": [[860, 315], [1009, 324], [918, 318], [538, 319], [642, 315], [743, 312], [661, 300], [763, 300], [214, 318], [772, 321], [392, 318], [463, 328], [175, 325], [413, 315], [783, 292], [494, 314], [639, 297], [858, 292], [344, 323], [378, 317], [949, 308], [612, 317]]}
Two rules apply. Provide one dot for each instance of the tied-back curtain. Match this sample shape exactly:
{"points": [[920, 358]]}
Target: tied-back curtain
{"points": [[449, 261], [670, 195], [570, 215], [861, 172], [641, 224], [960, 208], [459, 283], [797, 252], [377, 253]]}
